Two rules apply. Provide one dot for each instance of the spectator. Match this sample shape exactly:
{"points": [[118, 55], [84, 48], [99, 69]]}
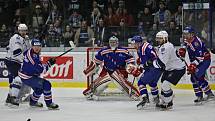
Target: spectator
{"points": [[178, 17], [55, 13], [75, 19], [45, 9], [174, 33], [123, 14], [146, 19], [101, 33], [123, 34], [95, 17], [4, 34], [57, 27], [110, 18], [84, 35], [52, 39], [162, 16], [37, 18], [152, 33], [67, 36]]}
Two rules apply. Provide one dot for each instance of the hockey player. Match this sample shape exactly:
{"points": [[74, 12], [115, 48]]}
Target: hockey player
{"points": [[17, 45], [30, 75], [113, 60], [200, 59], [174, 69], [152, 70]]}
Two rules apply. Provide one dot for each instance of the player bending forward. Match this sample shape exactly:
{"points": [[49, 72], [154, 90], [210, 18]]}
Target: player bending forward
{"points": [[174, 69], [152, 65], [17, 45], [113, 60], [200, 59], [30, 75]]}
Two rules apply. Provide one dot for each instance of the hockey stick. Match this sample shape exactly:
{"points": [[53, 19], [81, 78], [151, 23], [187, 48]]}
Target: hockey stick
{"points": [[72, 47]]}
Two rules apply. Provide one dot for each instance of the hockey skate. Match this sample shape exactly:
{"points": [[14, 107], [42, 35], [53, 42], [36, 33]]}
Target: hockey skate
{"points": [[8, 100], [142, 103], [209, 97], [156, 100], [53, 106], [14, 102], [36, 105], [199, 100], [166, 106]]}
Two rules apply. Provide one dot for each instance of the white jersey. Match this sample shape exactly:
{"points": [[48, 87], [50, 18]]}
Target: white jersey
{"points": [[16, 47], [167, 54]]}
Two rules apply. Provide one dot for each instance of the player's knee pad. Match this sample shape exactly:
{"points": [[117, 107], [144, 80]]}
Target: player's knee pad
{"points": [[166, 92], [17, 82], [165, 86], [46, 85]]}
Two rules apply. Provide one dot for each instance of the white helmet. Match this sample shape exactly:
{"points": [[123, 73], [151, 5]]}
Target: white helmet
{"points": [[22, 27], [162, 34]]}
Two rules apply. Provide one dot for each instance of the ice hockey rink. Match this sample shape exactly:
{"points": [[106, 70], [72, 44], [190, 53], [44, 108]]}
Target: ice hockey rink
{"points": [[74, 107]]}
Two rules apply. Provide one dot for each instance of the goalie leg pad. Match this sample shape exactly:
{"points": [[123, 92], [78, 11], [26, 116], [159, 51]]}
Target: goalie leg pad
{"points": [[98, 86], [123, 84], [90, 69]]}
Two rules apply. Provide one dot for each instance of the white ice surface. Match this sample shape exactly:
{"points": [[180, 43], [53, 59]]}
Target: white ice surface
{"points": [[74, 107]]}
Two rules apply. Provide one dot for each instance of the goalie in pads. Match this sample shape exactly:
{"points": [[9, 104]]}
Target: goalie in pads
{"points": [[113, 60]]}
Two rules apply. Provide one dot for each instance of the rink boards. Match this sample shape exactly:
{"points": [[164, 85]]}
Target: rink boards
{"points": [[68, 71]]}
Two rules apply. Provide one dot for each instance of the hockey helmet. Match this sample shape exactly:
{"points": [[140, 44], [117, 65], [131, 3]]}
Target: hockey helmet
{"points": [[136, 39], [35, 42], [188, 29], [162, 34], [22, 27]]}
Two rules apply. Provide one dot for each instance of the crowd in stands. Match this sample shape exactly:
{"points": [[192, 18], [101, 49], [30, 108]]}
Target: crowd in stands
{"points": [[56, 22]]}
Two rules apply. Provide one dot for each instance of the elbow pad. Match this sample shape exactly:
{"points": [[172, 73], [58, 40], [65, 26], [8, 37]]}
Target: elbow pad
{"points": [[17, 52], [159, 64]]}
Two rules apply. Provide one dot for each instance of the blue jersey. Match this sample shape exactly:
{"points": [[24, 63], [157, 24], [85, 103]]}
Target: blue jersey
{"points": [[197, 50], [146, 53], [114, 59], [32, 65]]}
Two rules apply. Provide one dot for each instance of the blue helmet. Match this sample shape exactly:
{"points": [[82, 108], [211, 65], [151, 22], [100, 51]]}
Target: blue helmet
{"points": [[188, 29], [35, 42], [136, 39]]}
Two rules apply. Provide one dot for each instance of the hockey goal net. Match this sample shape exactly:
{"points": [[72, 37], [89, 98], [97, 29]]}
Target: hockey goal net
{"points": [[112, 90]]}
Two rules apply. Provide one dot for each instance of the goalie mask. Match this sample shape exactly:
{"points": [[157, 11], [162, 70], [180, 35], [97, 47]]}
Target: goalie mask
{"points": [[113, 42], [162, 37]]}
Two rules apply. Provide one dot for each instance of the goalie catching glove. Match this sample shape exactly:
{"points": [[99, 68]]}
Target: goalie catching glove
{"points": [[91, 69], [134, 70]]}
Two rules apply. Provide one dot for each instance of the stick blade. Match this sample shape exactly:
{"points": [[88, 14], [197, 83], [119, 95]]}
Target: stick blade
{"points": [[72, 44]]}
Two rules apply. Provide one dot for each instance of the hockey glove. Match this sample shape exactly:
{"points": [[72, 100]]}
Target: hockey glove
{"points": [[136, 72], [51, 62], [182, 52], [138, 61], [191, 69]]}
